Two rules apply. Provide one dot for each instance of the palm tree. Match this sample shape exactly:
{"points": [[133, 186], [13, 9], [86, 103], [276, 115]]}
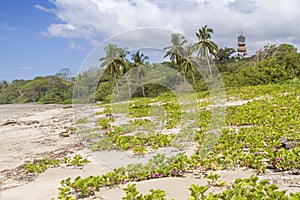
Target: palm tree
{"points": [[224, 55], [187, 61], [3, 84], [125, 67], [205, 45], [139, 60], [114, 59], [176, 50]]}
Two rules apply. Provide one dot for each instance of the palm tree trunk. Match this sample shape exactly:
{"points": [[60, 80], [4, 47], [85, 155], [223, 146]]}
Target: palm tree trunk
{"points": [[184, 78], [143, 90], [193, 78], [182, 70], [117, 86], [129, 88], [206, 54]]}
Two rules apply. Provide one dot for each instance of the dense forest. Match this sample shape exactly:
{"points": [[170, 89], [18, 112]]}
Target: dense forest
{"points": [[271, 64]]}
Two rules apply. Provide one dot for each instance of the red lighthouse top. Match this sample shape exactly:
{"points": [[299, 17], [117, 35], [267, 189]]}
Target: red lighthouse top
{"points": [[242, 45]]}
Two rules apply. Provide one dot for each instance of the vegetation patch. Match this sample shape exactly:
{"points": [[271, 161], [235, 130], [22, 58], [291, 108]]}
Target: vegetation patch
{"points": [[41, 165], [265, 137]]}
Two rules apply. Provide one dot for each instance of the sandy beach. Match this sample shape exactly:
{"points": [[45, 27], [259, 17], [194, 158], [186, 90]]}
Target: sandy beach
{"points": [[33, 133], [29, 132]]}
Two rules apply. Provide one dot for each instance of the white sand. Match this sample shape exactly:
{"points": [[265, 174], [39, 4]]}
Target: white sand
{"points": [[20, 143]]}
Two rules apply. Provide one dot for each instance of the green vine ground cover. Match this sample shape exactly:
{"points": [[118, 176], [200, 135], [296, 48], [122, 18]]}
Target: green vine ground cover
{"points": [[41, 165], [255, 135]]}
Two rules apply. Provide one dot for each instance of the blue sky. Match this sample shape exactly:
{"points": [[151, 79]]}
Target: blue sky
{"points": [[40, 37], [25, 52]]}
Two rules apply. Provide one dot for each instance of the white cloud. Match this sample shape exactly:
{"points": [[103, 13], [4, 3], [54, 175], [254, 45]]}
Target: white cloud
{"points": [[264, 20], [39, 7], [243, 6], [6, 27]]}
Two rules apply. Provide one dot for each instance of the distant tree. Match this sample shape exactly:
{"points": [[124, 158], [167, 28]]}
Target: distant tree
{"points": [[10, 92], [205, 45], [48, 89], [3, 84], [267, 51], [285, 54], [224, 55], [113, 61], [64, 73], [187, 63], [85, 85], [104, 90], [139, 61], [126, 67], [35, 89], [176, 50]]}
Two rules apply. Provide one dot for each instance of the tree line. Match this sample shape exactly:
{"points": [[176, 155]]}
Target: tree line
{"points": [[49, 89], [271, 64]]}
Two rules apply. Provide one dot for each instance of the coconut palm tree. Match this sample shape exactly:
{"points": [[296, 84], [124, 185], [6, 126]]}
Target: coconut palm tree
{"points": [[126, 67], [187, 63], [114, 59], [205, 45], [176, 50], [139, 60]]}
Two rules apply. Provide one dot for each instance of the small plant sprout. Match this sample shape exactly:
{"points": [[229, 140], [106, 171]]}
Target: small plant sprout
{"points": [[197, 192], [213, 179]]}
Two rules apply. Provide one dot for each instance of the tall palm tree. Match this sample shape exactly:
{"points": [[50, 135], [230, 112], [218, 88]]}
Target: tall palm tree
{"points": [[125, 67], [176, 50], [187, 63], [205, 45], [139, 60], [124, 70], [114, 59]]}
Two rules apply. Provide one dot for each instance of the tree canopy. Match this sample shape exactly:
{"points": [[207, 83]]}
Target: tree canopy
{"points": [[270, 64]]}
